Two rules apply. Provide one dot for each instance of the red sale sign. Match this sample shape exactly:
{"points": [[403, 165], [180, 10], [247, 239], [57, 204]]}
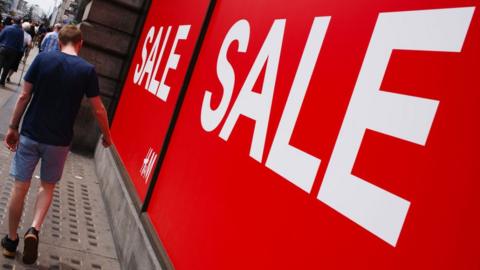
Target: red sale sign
{"points": [[328, 135], [151, 90]]}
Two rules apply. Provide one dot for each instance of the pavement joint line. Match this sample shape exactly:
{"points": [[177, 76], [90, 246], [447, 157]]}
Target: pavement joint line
{"points": [[79, 250], [2, 233]]}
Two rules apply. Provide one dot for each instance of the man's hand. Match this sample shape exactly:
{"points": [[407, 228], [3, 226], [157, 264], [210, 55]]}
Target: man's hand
{"points": [[107, 142], [11, 140]]}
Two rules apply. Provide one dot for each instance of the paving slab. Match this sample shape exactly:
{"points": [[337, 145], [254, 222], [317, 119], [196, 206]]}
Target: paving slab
{"points": [[76, 233]]}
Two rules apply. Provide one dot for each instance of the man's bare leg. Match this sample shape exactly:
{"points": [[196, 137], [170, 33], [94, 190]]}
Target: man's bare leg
{"points": [[44, 199], [15, 207]]}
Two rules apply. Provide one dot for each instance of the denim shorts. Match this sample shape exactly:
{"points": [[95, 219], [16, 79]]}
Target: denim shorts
{"points": [[29, 152]]}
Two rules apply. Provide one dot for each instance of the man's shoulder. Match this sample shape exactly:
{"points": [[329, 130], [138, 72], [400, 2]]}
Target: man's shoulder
{"points": [[77, 61], [85, 63], [47, 57], [80, 63]]}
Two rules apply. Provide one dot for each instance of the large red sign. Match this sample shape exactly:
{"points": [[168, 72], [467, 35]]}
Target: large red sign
{"points": [[328, 135], [153, 84]]}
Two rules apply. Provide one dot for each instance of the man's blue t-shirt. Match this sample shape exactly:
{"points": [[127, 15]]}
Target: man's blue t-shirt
{"points": [[60, 81]]}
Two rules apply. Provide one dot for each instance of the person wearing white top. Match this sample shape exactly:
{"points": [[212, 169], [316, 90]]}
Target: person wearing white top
{"points": [[27, 39]]}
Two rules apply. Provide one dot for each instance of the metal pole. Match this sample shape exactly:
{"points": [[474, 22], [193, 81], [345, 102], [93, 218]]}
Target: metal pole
{"points": [[23, 70]]}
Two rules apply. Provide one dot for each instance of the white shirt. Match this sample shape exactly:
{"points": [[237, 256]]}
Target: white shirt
{"points": [[27, 39]]}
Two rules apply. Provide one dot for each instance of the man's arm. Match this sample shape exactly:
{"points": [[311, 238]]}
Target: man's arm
{"points": [[22, 104], [102, 119], [11, 140]]}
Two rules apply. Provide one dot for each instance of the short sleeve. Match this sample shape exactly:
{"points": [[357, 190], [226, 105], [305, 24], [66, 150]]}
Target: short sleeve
{"points": [[32, 73], [92, 86]]}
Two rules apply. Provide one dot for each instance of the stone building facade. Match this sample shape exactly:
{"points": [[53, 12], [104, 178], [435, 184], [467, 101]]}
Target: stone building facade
{"points": [[110, 29]]}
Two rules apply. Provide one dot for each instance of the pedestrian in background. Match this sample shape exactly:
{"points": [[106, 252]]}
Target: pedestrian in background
{"points": [[27, 43], [31, 32], [33, 28], [41, 32], [50, 42], [8, 21], [11, 44], [54, 86]]}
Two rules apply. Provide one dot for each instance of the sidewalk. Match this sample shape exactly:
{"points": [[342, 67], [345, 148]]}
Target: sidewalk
{"points": [[76, 233], [9, 94]]}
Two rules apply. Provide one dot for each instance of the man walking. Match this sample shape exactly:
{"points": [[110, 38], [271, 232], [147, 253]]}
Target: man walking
{"points": [[27, 43], [50, 42], [11, 45], [55, 84]]}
